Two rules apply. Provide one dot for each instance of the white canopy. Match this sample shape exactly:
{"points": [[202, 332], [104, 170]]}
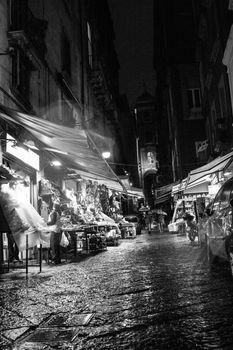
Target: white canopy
{"points": [[200, 175], [72, 145]]}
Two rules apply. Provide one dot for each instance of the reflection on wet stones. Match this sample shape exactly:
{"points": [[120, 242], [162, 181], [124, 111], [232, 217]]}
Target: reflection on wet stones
{"points": [[156, 292]]}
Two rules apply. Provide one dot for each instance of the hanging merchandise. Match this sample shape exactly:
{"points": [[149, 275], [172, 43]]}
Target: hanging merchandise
{"points": [[104, 199], [45, 188], [64, 241], [22, 218]]}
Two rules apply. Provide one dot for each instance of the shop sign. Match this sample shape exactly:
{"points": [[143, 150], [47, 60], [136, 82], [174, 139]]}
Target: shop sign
{"points": [[25, 155]]}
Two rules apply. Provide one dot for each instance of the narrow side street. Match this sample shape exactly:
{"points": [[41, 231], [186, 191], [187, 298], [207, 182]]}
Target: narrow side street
{"points": [[154, 292]]}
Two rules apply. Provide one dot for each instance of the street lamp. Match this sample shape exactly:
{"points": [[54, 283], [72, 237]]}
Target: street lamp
{"points": [[55, 163], [106, 154]]}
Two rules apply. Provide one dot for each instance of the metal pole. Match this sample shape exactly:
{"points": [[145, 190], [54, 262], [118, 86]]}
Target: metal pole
{"points": [[75, 246], [195, 210], [196, 215], [26, 256], [40, 257], [1, 253], [183, 202]]}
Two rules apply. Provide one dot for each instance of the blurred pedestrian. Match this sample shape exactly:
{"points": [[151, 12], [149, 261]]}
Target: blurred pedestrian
{"points": [[161, 222], [13, 251], [55, 238]]}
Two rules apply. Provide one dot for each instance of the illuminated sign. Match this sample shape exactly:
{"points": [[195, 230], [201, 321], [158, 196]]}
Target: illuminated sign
{"points": [[25, 155]]}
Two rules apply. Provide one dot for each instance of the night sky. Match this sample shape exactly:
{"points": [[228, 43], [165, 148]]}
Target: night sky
{"points": [[133, 25]]}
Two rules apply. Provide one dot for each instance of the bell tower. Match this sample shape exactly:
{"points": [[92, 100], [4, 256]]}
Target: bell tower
{"points": [[147, 139]]}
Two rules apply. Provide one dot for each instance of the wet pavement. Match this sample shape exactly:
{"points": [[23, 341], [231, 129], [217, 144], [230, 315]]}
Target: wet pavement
{"points": [[156, 291]]}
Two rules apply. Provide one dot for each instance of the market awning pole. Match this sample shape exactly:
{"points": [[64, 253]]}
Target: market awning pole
{"points": [[40, 257], [26, 256]]}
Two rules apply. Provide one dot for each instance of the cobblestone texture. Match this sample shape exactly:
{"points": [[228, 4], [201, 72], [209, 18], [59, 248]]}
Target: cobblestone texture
{"points": [[154, 292]]}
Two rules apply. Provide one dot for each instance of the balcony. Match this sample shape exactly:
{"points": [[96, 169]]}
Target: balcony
{"points": [[26, 31]]}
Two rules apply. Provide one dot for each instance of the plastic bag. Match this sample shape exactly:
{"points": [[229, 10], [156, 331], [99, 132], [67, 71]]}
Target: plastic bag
{"points": [[64, 240]]}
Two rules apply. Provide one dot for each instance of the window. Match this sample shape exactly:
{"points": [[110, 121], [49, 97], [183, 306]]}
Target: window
{"points": [[194, 98], [150, 158], [66, 55], [89, 45], [21, 71]]}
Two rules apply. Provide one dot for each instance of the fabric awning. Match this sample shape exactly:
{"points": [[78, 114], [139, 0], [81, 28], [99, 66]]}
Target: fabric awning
{"points": [[162, 199], [201, 188], [200, 175], [71, 144], [179, 187], [135, 192], [166, 190], [161, 191], [111, 184]]}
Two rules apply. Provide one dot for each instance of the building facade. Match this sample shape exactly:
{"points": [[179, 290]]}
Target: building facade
{"points": [[181, 123], [58, 99], [213, 23], [147, 141]]}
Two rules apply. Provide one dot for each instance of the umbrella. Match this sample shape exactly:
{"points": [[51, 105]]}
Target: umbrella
{"points": [[160, 211], [144, 209]]}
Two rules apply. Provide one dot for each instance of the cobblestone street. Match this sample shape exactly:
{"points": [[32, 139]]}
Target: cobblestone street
{"points": [[154, 292]]}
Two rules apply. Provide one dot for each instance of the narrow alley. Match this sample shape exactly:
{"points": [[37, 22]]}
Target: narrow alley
{"points": [[154, 292]]}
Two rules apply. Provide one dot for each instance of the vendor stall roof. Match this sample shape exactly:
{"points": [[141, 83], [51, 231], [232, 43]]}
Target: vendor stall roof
{"points": [[162, 199], [73, 145], [110, 183], [199, 188], [199, 175], [135, 192], [179, 187], [164, 193]]}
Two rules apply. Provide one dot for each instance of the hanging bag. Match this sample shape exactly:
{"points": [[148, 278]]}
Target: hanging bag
{"points": [[64, 240]]}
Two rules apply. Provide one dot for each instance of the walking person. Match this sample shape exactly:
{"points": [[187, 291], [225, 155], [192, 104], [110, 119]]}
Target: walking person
{"points": [[161, 220], [56, 234], [13, 251]]}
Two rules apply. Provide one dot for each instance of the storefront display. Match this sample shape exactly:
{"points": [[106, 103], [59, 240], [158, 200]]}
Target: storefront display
{"points": [[23, 220]]}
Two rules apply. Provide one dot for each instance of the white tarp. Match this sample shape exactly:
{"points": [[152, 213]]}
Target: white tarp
{"points": [[71, 144], [219, 164], [23, 220]]}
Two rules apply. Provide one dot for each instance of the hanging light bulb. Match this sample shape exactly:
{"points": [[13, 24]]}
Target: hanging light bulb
{"points": [[106, 154], [56, 163]]}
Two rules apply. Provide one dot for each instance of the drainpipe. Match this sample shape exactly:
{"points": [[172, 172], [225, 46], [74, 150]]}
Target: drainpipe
{"points": [[82, 64]]}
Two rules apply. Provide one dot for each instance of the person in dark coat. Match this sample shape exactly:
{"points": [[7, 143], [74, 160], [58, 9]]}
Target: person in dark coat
{"points": [[13, 251], [55, 237]]}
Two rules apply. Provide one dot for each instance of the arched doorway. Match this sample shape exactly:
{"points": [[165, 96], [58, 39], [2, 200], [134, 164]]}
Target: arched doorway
{"points": [[149, 183]]}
